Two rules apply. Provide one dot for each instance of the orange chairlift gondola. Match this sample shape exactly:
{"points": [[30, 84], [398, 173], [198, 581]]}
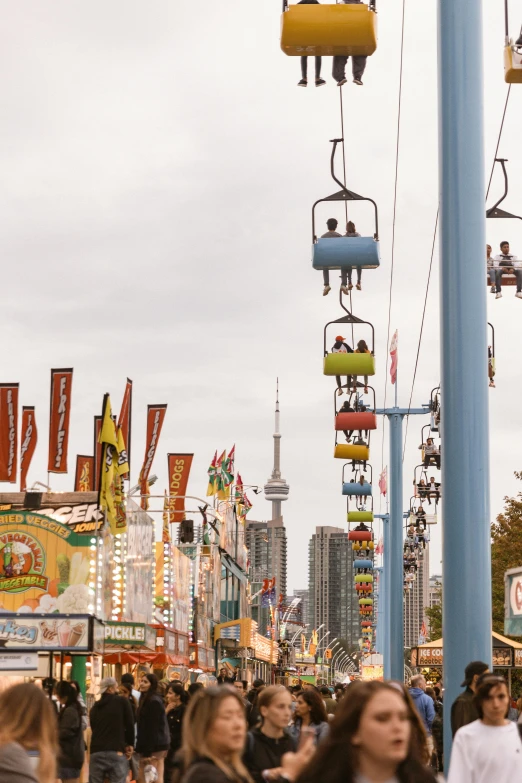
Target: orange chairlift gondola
{"points": [[512, 53], [354, 415], [509, 272], [344, 253], [329, 29]]}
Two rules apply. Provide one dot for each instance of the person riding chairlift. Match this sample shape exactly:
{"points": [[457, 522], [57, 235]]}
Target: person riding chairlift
{"points": [[431, 452], [346, 274], [340, 346], [358, 62], [304, 60], [361, 348], [433, 490]]}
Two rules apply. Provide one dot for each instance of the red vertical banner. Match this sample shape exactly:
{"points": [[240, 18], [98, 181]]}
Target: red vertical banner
{"points": [[84, 477], [155, 419], [29, 438], [8, 431], [124, 419], [98, 448], [179, 470], [61, 391]]}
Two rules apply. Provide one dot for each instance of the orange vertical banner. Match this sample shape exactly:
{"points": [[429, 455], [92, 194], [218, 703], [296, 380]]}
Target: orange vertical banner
{"points": [[8, 431], [61, 391], [98, 448], [155, 419], [29, 438], [84, 478], [124, 419], [179, 470]]}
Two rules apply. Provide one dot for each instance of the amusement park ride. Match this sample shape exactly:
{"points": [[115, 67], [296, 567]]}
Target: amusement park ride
{"points": [[460, 480]]}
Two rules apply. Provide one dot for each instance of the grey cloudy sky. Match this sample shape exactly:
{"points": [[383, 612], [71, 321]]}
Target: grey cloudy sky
{"points": [[158, 170]]}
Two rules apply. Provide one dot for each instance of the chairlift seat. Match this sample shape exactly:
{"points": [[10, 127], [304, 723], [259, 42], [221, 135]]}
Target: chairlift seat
{"points": [[349, 364], [365, 601], [366, 624], [512, 65], [363, 420], [360, 535], [360, 516], [364, 578], [507, 279], [328, 30], [355, 488], [345, 253], [351, 451], [363, 563]]}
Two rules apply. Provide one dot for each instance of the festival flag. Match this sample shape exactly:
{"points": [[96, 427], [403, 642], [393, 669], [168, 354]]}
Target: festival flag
{"points": [[8, 431], [383, 481], [166, 529], [303, 643], [97, 451], [231, 463], [109, 496], [224, 477], [124, 419], [155, 419], [422, 634], [268, 592], [29, 438], [61, 391], [379, 549], [123, 466], [179, 470], [84, 478], [394, 356], [212, 476]]}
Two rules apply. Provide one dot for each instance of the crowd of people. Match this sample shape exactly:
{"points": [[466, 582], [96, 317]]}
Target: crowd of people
{"points": [[363, 732]]}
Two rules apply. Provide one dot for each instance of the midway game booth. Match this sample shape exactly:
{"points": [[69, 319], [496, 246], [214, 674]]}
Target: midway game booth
{"points": [[46, 597], [507, 655], [240, 645]]}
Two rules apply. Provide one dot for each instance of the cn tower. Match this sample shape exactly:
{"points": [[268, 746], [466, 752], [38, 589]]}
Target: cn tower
{"points": [[276, 488]]}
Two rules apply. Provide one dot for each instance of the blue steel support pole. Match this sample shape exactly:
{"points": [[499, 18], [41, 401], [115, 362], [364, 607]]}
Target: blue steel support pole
{"points": [[465, 464], [379, 619], [384, 593], [396, 576]]}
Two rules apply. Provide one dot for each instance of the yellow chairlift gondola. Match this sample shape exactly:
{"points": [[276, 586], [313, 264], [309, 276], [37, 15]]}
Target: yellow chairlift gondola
{"points": [[329, 29], [512, 54]]}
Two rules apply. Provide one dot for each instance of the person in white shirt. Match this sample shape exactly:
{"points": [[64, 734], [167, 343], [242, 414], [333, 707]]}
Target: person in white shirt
{"points": [[431, 453], [506, 262], [331, 224], [340, 346], [488, 750], [492, 269], [433, 490]]}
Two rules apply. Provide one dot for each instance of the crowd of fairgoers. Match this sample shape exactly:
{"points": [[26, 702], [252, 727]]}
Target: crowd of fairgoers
{"points": [[363, 732]]}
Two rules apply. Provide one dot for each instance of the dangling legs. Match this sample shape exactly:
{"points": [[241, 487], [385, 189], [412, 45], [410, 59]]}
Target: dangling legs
{"points": [[366, 384], [344, 281], [304, 72], [326, 281], [359, 275], [318, 81], [339, 64], [339, 384], [358, 66]]}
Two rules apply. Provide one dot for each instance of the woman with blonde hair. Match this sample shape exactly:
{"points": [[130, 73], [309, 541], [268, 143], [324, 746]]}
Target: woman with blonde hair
{"points": [[214, 734], [28, 735]]}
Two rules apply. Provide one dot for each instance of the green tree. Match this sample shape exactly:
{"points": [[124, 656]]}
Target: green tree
{"points": [[506, 552], [434, 615]]}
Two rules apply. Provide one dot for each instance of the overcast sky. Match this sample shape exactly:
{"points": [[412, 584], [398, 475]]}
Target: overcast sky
{"points": [[158, 170]]}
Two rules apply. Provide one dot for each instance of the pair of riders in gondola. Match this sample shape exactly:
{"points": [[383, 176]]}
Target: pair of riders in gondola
{"points": [[340, 346], [346, 274], [339, 61], [502, 264], [428, 491]]}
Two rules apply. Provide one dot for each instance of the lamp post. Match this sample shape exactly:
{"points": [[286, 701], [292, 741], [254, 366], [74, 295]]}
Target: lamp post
{"points": [[341, 662], [332, 648]]}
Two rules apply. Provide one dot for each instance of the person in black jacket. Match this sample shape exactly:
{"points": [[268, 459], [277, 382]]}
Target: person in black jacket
{"points": [[153, 732], [70, 734], [304, 60], [176, 699], [267, 744], [112, 741]]}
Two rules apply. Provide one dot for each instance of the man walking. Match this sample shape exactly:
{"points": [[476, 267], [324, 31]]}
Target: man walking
{"points": [[463, 710], [424, 706], [112, 741]]}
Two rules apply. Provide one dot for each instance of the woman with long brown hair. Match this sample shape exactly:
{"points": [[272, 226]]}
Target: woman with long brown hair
{"points": [[214, 734], [153, 737], [28, 735], [374, 737], [310, 714]]}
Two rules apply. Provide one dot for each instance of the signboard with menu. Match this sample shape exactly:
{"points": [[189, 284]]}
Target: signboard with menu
{"points": [[56, 632], [44, 565]]}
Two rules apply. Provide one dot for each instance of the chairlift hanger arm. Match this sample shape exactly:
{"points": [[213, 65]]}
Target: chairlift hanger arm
{"points": [[343, 195], [494, 212], [349, 319]]}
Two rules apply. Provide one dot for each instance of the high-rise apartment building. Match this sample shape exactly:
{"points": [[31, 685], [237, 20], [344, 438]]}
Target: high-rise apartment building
{"points": [[416, 600], [333, 602]]}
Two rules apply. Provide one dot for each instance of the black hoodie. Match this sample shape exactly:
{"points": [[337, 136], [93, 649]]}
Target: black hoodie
{"points": [[264, 752], [112, 724]]}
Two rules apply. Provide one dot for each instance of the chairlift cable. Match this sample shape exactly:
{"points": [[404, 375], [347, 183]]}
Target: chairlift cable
{"points": [[401, 62], [344, 157], [498, 141], [421, 330]]}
